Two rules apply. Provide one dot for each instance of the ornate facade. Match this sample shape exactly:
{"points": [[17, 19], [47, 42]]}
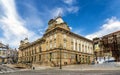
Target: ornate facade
{"points": [[3, 53], [58, 42], [107, 47], [7, 55]]}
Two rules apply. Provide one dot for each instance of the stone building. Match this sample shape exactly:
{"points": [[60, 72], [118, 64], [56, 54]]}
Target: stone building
{"points": [[98, 50], [107, 47], [57, 46], [7, 55], [12, 56], [3, 53]]}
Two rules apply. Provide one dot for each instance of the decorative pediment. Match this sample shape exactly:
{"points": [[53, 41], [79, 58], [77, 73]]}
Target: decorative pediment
{"points": [[57, 22]]}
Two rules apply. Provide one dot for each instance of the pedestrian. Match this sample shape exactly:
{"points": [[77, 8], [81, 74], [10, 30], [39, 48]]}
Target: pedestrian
{"points": [[97, 62], [33, 68]]}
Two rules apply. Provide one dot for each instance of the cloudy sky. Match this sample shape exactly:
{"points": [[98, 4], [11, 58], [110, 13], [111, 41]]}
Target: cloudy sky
{"points": [[29, 18]]}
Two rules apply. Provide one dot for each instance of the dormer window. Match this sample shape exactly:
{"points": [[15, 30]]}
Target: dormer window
{"points": [[54, 35], [64, 35], [50, 25], [59, 20]]}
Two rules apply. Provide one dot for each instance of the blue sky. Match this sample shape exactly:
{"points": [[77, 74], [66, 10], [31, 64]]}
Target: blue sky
{"points": [[29, 18]]}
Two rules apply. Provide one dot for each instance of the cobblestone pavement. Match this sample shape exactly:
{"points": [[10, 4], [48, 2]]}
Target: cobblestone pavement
{"points": [[63, 72]]}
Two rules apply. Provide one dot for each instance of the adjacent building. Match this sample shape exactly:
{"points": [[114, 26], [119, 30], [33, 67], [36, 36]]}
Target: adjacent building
{"points": [[7, 55], [107, 47], [3, 53], [57, 46], [12, 56]]}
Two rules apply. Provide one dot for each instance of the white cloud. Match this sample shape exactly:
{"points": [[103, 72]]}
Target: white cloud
{"points": [[111, 25], [63, 11], [69, 2], [70, 28], [70, 7], [73, 9], [15, 28], [57, 11], [12, 25]]}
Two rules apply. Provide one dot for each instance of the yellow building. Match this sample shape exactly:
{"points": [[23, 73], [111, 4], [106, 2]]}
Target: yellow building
{"points": [[58, 44]]}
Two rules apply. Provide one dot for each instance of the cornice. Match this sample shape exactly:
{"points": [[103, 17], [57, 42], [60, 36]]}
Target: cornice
{"points": [[59, 28]]}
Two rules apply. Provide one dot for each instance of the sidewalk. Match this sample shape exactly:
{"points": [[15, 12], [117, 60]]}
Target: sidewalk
{"points": [[80, 67], [43, 67], [90, 67]]}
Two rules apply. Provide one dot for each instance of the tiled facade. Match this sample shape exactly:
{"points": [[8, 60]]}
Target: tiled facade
{"points": [[58, 39]]}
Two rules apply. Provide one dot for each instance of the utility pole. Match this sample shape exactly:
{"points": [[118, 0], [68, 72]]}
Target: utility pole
{"points": [[60, 47]]}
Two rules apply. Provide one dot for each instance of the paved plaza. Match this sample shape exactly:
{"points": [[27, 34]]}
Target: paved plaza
{"points": [[63, 72], [97, 69]]}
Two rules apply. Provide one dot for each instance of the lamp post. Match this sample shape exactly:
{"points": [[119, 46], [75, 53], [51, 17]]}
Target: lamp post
{"points": [[60, 47]]}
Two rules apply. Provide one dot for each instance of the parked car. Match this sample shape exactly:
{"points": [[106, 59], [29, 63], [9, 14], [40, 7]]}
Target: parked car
{"points": [[93, 62]]}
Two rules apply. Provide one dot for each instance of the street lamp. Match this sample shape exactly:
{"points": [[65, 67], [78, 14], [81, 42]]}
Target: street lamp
{"points": [[60, 47]]}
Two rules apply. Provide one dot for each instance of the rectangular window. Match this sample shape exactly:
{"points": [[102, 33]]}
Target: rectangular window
{"points": [[3, 52], [35, 50], [32, 51], [64, 35], [39, 57], [72, 56], [27, 53], [86, 49], [64, 44], [79, 47], [34, 58], [72, 45], [65, 55], [50, 37], [55, 36], [47, 46], [40, 49], [82, 48], [50, 44], [76, 46], [55, 45]]}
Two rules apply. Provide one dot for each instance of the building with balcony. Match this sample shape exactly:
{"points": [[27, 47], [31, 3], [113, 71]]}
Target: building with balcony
{"points": [[3, 53], [7, 55], [57, 46], [107, 47]]}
